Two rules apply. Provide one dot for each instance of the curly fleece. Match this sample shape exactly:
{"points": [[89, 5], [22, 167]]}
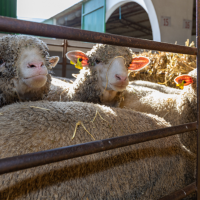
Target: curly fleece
{"points": [[174, 108], [145, 171], [11, 47], [86, 87]]}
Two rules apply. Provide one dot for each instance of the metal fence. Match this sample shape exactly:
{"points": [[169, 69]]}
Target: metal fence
{"points": [[21, 162]]}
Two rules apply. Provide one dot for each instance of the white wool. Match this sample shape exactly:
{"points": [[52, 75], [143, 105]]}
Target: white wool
{"points": [[174, 108]]}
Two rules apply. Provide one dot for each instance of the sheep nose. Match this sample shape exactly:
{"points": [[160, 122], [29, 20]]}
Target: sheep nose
{"points": [[35, 64], [120, 77]]}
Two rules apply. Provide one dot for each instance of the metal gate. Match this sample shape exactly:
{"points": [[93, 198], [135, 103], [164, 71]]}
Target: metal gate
{"points": [[21, 162]]}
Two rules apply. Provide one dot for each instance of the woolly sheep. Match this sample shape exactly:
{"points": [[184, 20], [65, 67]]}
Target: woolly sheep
{"points": [[156, 86], [24, 65], [165, 66], [67, 80], [174, 108], [144, 171], [103, 78]]}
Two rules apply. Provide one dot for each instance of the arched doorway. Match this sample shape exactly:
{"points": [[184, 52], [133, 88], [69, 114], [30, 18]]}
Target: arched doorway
{"points": [[130, 19], [145, 6]]}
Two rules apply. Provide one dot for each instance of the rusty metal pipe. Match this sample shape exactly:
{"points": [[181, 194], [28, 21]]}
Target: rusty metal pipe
{"points": [[198, 94], [182, 193], [32, 28], [25, 161]]}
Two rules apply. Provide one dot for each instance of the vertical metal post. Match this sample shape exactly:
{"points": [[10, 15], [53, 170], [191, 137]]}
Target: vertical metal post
{"points": [[64, 63], [198, 94]]}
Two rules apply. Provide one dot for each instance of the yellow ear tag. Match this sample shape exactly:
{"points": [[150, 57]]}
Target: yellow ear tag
{"points": [[181, 85], [78, 65], [71, 62]]}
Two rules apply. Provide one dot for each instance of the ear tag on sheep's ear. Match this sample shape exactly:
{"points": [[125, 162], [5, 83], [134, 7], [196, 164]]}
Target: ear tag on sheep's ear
{"points": [[181, 85], [183, 80], [78, 65], [138, 63], [78, 58]]}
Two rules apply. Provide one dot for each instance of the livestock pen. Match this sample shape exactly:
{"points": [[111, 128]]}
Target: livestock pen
{"points": [[21, 162]]}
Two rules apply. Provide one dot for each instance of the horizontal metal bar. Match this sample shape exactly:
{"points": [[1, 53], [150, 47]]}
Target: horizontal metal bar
{"points": [[182, 193], [32, 28], [54, 155]]}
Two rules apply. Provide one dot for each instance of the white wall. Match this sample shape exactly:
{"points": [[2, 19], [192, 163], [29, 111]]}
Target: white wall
{"points": [[178, 10]]}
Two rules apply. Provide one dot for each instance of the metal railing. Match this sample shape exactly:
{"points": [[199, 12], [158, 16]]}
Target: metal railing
{"points": [[21, 162]]}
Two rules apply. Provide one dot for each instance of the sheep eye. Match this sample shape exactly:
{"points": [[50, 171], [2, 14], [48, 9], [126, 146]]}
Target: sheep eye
{"points": [[97, 61], [1, 61]]}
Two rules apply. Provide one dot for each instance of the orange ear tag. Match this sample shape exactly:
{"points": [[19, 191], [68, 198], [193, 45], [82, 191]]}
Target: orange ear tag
{"points": [[138, 63], [186, 79], [80, 63]]}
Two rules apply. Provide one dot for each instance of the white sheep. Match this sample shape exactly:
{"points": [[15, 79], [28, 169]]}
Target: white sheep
{"points": [[24, 66], [174, 108], [156, 86], [103, 78], [143, 171]]}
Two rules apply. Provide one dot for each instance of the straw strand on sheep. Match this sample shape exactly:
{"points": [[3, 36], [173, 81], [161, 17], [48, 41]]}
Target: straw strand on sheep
{"points": [[143, 171]]}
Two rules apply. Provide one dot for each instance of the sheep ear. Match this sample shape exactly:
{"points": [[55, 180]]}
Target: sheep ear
{"points": [[74, 55], [53, 60], [183, 80], [138, 63]]}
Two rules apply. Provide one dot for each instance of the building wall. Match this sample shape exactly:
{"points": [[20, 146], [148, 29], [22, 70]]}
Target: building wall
{"points": [[8, 8], [112, 5], [177, 11]]}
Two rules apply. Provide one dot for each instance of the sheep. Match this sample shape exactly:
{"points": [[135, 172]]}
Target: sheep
{"points": [[24, 66], [165, 66], [156, 86], [67, 80], [103, 78], [143, 171], [174, 108]]}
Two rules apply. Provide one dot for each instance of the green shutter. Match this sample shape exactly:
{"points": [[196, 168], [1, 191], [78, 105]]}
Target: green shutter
{"points": [[93, 15], [8, 8]]}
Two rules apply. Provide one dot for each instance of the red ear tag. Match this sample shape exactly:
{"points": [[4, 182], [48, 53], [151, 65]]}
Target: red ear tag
{"points": [[186, 79], [84, 62], [138, 63], [76, 56], [83, 59]]}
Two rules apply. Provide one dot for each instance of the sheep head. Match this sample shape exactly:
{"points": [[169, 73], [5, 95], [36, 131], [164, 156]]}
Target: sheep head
{"points": [[189, 79], [24, 63], [111, 63], [31, 69]]}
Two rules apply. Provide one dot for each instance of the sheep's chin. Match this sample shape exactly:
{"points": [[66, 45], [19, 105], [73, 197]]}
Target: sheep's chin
{"points": [[118, 88], [35, 81]]}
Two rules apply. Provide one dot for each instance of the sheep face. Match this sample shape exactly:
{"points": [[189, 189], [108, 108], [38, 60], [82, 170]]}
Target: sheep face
{"points": [[188, 82], [24, 66], [114, 75], [113, 71], [31, 69]]}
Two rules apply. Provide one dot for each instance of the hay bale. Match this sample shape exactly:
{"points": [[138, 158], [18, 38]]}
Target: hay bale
{"points": [[165, 66]]}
